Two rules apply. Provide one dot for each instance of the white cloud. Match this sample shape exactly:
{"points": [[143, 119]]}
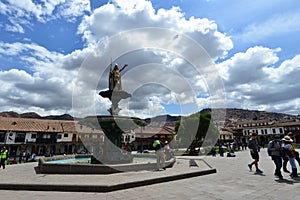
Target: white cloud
{"points": [[287, 71], [248, 67], [276, 25], [46, 85], [15, 28], [253, 81], [21, 13], [122, 27], [170, 61], [120, 16]]}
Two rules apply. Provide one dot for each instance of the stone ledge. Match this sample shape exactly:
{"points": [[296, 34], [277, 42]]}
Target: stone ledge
{"points": [[47, 168], [102, 188]]}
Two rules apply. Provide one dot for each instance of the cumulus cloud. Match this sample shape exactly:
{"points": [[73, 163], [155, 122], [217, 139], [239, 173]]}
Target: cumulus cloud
{"points": [[255, 80], [156, 61], [236, 69], [46, 83], [20, 13], [158, 41], [171, 60], [121, 15], [169, 63]]}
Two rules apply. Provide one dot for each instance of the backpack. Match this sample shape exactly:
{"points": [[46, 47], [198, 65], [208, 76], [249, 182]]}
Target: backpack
{"points": [[286, 153], [250, 144], [271, 145]]}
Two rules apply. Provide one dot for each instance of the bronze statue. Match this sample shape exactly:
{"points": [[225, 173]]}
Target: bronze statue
{"points": [[115, 77], [115, 93]]}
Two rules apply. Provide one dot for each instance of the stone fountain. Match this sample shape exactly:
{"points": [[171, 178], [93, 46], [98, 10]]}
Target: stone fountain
{"points": [[113, 125], [112, 158]]}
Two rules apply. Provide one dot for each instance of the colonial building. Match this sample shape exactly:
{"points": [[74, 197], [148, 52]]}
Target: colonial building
{"points": [[144, 136], [226, 136], [45, 137], [266, 129]]}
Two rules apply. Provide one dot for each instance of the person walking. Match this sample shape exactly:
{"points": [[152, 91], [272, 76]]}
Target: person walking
{"points": [[167, 151], [254, 148], [3, 156], [287, 150], [160, 154], [221, 151], [296, 153], [275, 150]]}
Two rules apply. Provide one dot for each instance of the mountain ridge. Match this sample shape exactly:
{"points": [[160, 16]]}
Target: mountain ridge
{"points": [[33, 115], [219, 114]]}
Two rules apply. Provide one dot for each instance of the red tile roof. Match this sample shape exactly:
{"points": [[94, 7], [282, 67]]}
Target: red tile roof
{"points": [[148, 130], [29, 125], [43, 125]]}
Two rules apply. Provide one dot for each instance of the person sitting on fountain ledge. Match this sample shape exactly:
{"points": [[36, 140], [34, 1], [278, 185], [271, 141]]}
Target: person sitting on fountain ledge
{"points": [[160, 155]]}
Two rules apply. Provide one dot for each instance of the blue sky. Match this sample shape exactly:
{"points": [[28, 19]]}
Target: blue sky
{"points": [[51, 55]]}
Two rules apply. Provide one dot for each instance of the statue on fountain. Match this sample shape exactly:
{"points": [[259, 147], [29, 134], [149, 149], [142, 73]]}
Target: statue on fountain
{"points": [[115, 93], [115, 77]]}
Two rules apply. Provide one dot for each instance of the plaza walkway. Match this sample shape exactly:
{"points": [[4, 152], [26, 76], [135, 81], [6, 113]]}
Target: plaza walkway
{"points": [[233, 180]]}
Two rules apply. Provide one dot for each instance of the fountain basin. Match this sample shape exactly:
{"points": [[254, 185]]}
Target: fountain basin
{"points": [[47, 166]]}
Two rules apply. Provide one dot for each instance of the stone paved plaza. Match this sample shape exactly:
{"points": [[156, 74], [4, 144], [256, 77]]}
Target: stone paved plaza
{"points": [[233, 180]]}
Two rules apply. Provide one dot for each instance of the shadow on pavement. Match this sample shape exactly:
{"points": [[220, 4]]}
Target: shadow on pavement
{"points": [[289, 181]]}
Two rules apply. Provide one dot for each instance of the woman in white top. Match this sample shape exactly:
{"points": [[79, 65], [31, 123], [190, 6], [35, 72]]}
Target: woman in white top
{"points": [[288, 152]]}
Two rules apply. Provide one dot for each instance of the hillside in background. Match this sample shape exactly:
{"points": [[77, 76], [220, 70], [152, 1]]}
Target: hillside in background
{"points": [[218, 114], [163, 118], [242, 114], [34, 115]]}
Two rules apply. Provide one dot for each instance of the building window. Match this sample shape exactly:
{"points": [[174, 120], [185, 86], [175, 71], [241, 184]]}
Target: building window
{"points": [[266, 131], [20, 137], [33, 135], [46, 136], [2, 136], [273, 130], [66, 135], [262, 131], [280, 130], [59, 136], [95, 136]]}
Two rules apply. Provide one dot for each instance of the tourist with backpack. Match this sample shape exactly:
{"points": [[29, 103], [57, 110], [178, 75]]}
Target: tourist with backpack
{"points": [[274, 150], [254, 148]]}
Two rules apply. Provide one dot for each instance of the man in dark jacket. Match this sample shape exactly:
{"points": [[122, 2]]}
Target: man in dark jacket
{"points": [[254, 148]]}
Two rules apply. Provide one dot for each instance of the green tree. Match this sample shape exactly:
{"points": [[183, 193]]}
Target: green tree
{"points": [[194, 128]]}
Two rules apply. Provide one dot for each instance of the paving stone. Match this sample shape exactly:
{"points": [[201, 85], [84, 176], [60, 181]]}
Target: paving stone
{"points": [[233, 180]]}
